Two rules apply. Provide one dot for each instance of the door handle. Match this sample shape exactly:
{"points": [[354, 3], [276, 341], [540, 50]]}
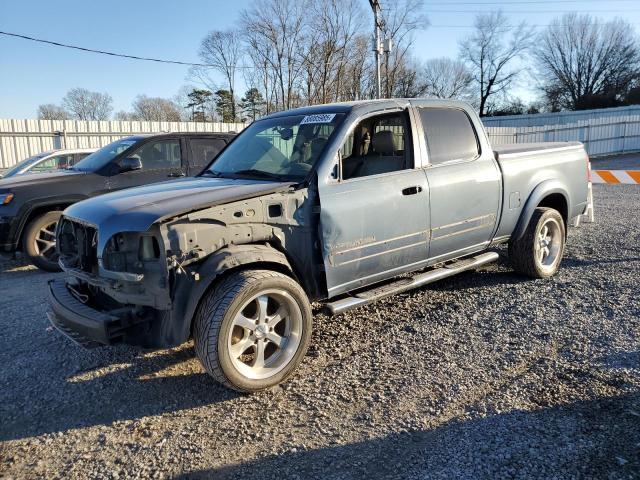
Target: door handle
{"points": [[176, 174], [412, 190]]}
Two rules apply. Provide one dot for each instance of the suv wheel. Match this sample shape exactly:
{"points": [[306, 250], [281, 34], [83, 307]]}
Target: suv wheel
{"points": [[39, 241], [252, 330], [539, 252]]}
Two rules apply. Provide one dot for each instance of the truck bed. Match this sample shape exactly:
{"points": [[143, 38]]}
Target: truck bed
{"points": [[526, 165]]}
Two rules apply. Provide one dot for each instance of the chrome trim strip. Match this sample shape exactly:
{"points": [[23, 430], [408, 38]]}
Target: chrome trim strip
{"points": [[468, 220], [447, 235]]}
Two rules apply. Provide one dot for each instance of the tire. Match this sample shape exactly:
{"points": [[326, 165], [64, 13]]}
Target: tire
{"points": [[39, 241], [535, 256], [249, 312]]}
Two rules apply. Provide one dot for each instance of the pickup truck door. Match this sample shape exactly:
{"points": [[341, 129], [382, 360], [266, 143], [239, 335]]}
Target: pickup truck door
{"points": [[465, 183], [161, 160], [375, 216]]}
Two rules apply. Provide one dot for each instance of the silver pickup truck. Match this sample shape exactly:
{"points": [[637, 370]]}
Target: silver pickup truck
{"points": [[341, 204]]}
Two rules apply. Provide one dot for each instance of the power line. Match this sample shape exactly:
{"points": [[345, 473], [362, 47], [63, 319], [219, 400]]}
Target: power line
{"points": [[102, 52], [515, 12], [526, 2]]}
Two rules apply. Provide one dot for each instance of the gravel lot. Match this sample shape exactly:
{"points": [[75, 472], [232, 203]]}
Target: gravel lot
{"points": [[487, 375]]}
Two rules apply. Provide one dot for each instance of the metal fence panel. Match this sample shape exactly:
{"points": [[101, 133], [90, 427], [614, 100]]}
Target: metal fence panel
{"points": [[20, 139], [558, 118]]}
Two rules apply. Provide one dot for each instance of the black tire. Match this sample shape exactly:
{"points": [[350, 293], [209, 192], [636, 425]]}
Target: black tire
{"points": [[525, 253], [42, 255], [215, 328]]}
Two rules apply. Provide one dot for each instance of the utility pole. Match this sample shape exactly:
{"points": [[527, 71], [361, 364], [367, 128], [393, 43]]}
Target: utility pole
{"points": [[375, 6]]}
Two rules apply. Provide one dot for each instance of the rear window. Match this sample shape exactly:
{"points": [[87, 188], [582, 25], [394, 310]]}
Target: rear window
{"points": [[449, 135], [204, 150]]}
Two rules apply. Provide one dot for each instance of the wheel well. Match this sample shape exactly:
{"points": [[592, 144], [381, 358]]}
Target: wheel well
{"points": [[36, 212], [274, 266], [557, 202]]}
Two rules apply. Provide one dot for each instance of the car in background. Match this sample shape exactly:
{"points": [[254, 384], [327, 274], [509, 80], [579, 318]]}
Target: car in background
{"points": [[48, 161], [31, 204]]}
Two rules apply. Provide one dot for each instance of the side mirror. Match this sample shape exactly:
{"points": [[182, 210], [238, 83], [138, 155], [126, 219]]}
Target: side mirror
{"points": [[129, 164]]}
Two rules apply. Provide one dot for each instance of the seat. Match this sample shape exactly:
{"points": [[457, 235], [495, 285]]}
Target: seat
{"points": [[382, 157]]}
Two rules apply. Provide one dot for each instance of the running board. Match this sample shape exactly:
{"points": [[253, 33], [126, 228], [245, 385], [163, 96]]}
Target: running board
{"points": [[404, 284]]}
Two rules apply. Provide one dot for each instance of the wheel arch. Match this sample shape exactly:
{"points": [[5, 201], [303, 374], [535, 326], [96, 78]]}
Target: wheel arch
{"points": [[35, 210], [551, 194], [221, 264]]}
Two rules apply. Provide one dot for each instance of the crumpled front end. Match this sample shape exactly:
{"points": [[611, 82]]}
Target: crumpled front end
{"points": [[140, 287]]}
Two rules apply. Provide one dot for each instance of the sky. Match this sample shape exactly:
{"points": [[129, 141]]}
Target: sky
{"points": [[32, 74]]}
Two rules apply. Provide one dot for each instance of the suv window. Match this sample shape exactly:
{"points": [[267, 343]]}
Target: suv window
{"points": [[163, 154], [449, 134], [57, 162], [204, 150], [377, 145]]}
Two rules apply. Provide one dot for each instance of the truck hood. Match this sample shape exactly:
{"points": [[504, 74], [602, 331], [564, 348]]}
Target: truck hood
{"points": [[136, 209], [31, 179]]}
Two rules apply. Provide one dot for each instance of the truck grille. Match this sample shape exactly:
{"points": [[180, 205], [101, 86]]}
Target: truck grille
{"points": [[78, 245]]}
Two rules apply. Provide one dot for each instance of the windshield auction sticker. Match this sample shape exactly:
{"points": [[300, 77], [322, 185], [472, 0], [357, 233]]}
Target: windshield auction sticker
{"points": [[318, 118]]}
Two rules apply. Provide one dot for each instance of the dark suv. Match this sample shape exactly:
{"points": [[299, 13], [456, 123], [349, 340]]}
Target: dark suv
{"points": [[30, 205]]}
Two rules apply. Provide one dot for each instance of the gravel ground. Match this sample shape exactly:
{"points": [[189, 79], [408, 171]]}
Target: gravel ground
{"points": [[487, 375]]}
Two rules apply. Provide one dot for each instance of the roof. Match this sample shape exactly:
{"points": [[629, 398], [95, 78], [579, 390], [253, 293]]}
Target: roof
{"points": [[346, 107]]}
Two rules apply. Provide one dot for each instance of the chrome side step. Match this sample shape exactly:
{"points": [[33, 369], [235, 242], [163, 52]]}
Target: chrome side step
{"points": [[404, 284]]}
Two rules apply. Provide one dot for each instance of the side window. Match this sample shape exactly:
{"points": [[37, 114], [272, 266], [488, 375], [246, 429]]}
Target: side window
{"points": [[376, 146], [203, 150], [164, 154], [449, 134], [80, 156], [57, 162]]}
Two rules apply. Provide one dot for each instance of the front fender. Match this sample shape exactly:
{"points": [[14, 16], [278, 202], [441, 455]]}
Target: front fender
{"points": [[542, 190], [189, 291]]}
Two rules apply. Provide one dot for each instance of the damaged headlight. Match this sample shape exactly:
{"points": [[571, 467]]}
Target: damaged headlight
{"points": [[128, 252]]}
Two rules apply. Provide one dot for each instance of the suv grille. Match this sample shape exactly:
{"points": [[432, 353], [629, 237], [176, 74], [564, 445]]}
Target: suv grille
{"points": [[77, 244]]}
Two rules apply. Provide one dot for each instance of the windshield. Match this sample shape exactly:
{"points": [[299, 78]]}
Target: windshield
{"points": [[17, 168], [284, 148], [100, 158]]}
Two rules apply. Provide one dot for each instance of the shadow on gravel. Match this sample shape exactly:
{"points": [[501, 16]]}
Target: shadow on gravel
{"points": [[579, 263], [587, 439], [125, 386]]}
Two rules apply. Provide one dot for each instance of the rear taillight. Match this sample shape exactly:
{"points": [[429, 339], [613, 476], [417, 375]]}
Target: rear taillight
{"points": [[588, 170]]}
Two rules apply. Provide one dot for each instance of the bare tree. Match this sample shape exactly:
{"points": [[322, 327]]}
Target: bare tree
{"points": [[223, 50], [446, 78], [491, 51], [86, 105], [156, 109], [50, 111], [274, 30], [582, 61]]}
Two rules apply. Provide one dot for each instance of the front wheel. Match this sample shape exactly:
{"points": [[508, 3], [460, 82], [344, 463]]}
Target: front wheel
{"points": [[252, 330], [539, 251], [39, 241]]}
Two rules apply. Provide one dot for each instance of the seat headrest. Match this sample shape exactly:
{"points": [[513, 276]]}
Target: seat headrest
{"points": [[384, 142], [317, 144]]}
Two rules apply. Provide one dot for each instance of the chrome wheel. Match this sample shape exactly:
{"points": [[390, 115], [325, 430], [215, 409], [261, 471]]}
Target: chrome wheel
{"points": [[548, 245], [265, 334], [45, 242]]}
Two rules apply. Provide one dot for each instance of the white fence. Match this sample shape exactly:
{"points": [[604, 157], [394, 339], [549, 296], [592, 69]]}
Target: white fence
{"points": [[601, 136], [20, 139], [558, 118]]}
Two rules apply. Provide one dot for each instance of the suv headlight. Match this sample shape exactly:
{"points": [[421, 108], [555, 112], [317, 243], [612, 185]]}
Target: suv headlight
{"points": [[5, 198]]}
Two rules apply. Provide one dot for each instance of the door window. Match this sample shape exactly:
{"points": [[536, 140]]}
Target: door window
{"points": [[161, 155], [449, 135], [376, 146], [56, 162], [204, 150]]}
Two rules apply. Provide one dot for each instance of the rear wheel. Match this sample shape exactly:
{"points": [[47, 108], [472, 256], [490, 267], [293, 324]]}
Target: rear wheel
{"points": [[539, 252], [253, 329], [39, 241]]}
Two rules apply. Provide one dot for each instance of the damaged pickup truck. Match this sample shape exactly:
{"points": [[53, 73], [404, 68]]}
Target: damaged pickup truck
{"points": [[343, 204]]}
